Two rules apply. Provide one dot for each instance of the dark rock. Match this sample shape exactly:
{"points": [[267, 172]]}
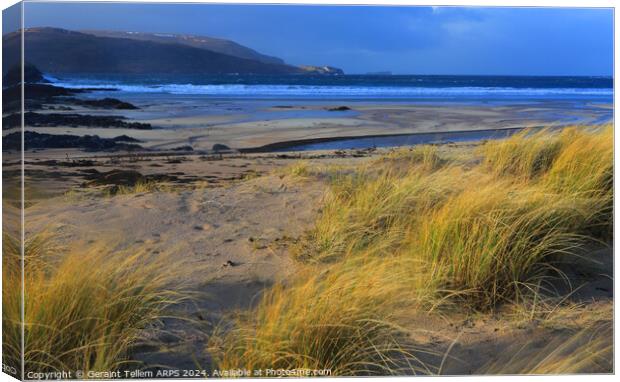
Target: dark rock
{"points": [[34, 140], [115, 177], [33, 119], [183, 148], [339, 108], [35, 95], [220, 147], [37, 91], [229, 263], [31, 75], [125, 138], [105, 103]]}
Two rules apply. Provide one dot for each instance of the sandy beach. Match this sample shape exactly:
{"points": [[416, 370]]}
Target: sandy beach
{"points": [[200, 122]]}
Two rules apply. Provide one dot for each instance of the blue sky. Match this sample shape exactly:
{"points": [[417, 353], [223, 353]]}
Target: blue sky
{"points": [[404, 40]]}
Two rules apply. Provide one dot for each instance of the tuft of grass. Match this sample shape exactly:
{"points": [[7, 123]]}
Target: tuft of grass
{"points": [[492, 241], [585, 168], [523, 155], [427, 157], [305, 169], [299, 169], [565, 159], [250, 174], [309, 325], [138, 188], [584, 164], [362, 208], [83, 310], [74, 195]]}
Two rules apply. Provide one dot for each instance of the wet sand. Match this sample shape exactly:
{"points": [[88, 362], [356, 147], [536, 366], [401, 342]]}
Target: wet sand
{"points": [[201, 122]]}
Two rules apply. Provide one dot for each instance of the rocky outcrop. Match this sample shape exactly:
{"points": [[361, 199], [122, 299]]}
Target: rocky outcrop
{"points": [[32, 119], [105, 103], [322, 70], [218, 147], [37, 94], [339, 108], [14, 76], [34, 140]]}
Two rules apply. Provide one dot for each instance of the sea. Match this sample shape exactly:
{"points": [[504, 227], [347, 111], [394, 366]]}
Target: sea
{"points": [[245, 98], [355, 87]]}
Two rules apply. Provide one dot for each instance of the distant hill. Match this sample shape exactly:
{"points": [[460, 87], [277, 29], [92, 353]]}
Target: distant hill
{"points": [[57, 51], [218, 45]]}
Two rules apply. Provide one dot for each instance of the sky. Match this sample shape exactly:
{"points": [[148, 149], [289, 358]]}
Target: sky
{"points": [[361, 39]]}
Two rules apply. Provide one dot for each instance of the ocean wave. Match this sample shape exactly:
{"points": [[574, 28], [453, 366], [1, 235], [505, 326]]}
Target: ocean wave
{"points": [[239, 90]]}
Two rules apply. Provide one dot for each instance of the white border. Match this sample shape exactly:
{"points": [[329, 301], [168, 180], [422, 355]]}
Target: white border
{"points": [[479, 3]]}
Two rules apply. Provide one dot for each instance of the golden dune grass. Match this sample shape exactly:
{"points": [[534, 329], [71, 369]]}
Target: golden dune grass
{"points": [[83, 310], [523, 155], [138, 188], [588, 350], [338, 319], [11, 296], [432, 234]]}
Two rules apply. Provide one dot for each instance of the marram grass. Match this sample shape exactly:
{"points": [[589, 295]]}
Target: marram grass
{"points": [[339, 318], [488, 242], [588, 350], [83, 310], [416, 232]]}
